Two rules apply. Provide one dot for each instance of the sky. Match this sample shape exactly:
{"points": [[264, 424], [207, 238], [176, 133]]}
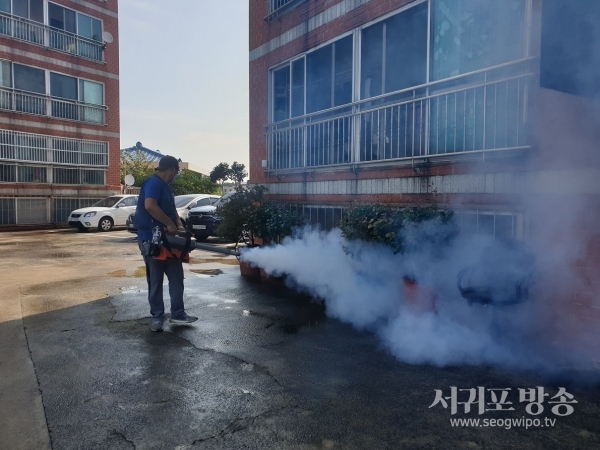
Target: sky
{"points": [[184, 78]]}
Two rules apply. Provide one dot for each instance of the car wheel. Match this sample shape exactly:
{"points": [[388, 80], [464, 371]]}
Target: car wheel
{"points": [[105, 224], [201, 237]]}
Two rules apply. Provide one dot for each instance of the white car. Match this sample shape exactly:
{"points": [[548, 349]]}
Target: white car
{"points": [[184, 203], [110, 212]]}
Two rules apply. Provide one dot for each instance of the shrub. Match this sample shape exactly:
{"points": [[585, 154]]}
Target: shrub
{"points": [[403, 229], [237, 211]]}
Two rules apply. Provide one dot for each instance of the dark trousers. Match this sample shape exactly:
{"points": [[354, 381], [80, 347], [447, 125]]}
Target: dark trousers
{"points": [[155, 272]]}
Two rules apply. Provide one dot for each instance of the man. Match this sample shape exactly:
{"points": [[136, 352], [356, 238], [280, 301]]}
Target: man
{"points": [[156, 211]]}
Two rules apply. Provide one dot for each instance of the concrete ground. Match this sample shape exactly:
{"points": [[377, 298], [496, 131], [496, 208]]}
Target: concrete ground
{"points": [[263, 368]]}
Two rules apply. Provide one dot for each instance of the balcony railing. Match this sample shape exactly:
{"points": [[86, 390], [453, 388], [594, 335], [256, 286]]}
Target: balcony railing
{"points": [[276, 7], [478, 112], [19, 147], [40, 34], [43, 105]]}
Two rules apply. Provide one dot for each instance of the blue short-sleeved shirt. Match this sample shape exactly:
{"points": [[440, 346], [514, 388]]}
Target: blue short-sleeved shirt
{"points": [[157, 189]]}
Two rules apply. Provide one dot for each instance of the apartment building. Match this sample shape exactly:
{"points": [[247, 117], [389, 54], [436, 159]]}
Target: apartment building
{"points": [[487, 107], [59, 108]]}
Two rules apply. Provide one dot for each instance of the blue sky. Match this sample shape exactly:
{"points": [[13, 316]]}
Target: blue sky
{"points": [[184, 78]]}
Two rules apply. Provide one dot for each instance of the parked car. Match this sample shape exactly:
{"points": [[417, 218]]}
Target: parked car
{"points": [[203, 222], [183, 203], [130, 223], [110, 212]]}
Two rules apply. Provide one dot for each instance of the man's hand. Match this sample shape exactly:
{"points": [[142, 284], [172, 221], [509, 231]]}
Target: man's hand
{"points": [[171, 230]]}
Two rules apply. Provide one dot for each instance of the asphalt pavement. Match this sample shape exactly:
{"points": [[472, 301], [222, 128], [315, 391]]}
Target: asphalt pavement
{"points": [[263, 368]]}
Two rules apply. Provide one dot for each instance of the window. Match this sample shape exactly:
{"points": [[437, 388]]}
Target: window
{"points": [[394, 53], [32, 174], [32, 210], [28, 9], [8, 173], [204, 202], [91, 93], [89, 176], [65, 176], [7, 211], [329, 76], [30, 79], [63, 86], [501, 225], [61, 18], [129, 201], [570, 61], [472, 34]]}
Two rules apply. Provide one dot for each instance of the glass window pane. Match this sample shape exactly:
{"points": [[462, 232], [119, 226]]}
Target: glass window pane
{"points": [[63, 86], [36, 10], [372, 61], [84, 26], [472, 34], [91, 92], [30, 79], [298, 88], [21, 8], [7, 173], [485, 224], [318, 79], [28, 174], [343, 71], [96, 30], [468, 223], [5, 75], [406, 49], [504, 228], [56, 16], [7, 211], [5, 6], [70, 21], [281, 94]]}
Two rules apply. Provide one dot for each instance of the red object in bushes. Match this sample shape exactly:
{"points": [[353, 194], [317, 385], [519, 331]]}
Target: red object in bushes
{"points": [[418, 299]]}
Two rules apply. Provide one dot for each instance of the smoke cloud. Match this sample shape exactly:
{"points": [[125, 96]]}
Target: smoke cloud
{"points": [[362, 284]]}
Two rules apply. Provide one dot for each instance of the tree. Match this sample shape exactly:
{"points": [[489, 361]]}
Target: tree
{"points": [[135, 163], [238, 173], [189, 182], [221, 172]]}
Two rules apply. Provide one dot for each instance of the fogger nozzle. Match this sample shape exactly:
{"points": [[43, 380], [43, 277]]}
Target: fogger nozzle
{"points": [[179, 243]]}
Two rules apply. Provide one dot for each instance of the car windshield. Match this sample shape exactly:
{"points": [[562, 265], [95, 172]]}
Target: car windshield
{"points": [[108, 202], [182, 200]]}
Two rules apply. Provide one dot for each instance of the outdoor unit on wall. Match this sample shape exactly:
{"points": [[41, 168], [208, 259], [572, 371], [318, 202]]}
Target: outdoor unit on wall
{"points": [[265, 164]]}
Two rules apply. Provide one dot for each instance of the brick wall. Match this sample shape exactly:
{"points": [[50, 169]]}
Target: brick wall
{"points": [[105, 72]]}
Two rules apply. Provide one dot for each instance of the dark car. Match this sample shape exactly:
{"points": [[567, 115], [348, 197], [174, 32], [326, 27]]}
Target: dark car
{"points": [[203, 221], [130, 222]]}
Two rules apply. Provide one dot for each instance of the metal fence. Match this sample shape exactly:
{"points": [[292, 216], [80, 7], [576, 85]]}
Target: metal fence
{"points": [[25, 147], [39, 210], [37, 33], [478, 112], [44, 105], [274, 5]]}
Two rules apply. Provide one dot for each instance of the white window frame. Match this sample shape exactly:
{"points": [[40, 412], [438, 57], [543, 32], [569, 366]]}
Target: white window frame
{"points": [[47, 20]]}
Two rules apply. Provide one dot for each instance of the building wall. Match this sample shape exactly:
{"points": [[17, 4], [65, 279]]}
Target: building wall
{"points": [[106, 72], [553, 183]]}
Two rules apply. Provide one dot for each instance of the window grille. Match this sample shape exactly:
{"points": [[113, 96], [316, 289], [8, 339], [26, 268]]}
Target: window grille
{"points": [[92, 176], [65, 176], [32, 174], [31, 210], [277, 5], [64, 206], [7, 211], [17, 146], [8, 173]]}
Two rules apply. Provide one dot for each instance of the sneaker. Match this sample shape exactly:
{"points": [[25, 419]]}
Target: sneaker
{"points": [[156, 325], [185, 319]]}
